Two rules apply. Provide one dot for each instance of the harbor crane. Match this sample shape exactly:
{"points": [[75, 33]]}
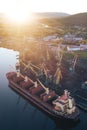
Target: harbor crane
{"points": [[72, 68], [58, 76]]}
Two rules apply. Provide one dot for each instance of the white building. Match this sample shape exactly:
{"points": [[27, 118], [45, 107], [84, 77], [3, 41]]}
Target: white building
{"points": [[73, 48], [83, 47], [70, 37], [76, 48], [49, 38]]}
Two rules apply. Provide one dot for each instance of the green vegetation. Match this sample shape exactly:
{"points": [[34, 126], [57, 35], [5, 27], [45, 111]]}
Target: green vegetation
{"points": [[82, 54]]}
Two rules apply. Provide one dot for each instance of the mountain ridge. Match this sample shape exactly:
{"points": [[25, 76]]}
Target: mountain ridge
{"points": [[76, 19], [51, 15]]}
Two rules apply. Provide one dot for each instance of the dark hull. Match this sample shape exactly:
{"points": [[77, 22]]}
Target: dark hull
{"points": [[81, 99], [43, 105]]}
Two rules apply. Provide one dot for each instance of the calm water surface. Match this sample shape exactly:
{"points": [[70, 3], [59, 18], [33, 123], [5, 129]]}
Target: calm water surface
{"points": [[16, 113]]}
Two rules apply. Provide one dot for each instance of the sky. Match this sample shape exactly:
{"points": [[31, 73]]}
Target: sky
{"points": [[67, 6]]}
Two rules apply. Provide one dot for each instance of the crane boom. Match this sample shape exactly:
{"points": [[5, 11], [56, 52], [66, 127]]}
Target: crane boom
{"points": [[21, 74], [46, 89], [75, 60], [30, 66], [35, 66]]}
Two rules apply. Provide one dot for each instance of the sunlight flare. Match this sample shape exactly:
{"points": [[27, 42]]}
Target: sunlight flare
{"points": [[19, 17], [18, 11]]}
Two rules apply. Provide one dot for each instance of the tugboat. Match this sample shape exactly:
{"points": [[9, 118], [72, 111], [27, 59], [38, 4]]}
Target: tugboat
{"points": [[59, 107]]}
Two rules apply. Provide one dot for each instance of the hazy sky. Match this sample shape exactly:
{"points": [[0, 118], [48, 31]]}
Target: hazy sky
{"points": [[67, 6]]}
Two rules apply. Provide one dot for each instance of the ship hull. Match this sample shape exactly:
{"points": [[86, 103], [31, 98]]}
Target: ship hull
{"points": [[81, 99], [41, 105]]}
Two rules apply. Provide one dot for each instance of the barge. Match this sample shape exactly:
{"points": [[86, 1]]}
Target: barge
{"points": [[59, 107]]}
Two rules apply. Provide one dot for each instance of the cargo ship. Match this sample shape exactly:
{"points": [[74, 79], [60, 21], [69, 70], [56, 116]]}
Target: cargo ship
{"points": [[59, 107]]}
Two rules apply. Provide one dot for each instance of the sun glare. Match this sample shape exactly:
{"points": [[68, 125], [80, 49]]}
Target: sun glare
{"points": [[17, 11], [18, 17]]}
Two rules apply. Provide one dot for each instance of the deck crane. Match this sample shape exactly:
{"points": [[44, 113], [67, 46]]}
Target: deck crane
{"points": [[29, 66], [46, 89], [37, 71], [45, 70], [19, 74], [26, 78], [42, 70]]}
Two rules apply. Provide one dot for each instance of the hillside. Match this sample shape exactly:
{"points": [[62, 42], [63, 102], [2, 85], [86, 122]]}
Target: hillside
{"points": [[54, 19], [51, 15], [45, 25], [77, 19], [62, 18]]}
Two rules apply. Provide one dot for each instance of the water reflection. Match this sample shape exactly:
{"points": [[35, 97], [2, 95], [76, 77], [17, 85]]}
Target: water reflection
{"points": [[65, 125], [25, 106], [18, 100], [16, 112]]}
